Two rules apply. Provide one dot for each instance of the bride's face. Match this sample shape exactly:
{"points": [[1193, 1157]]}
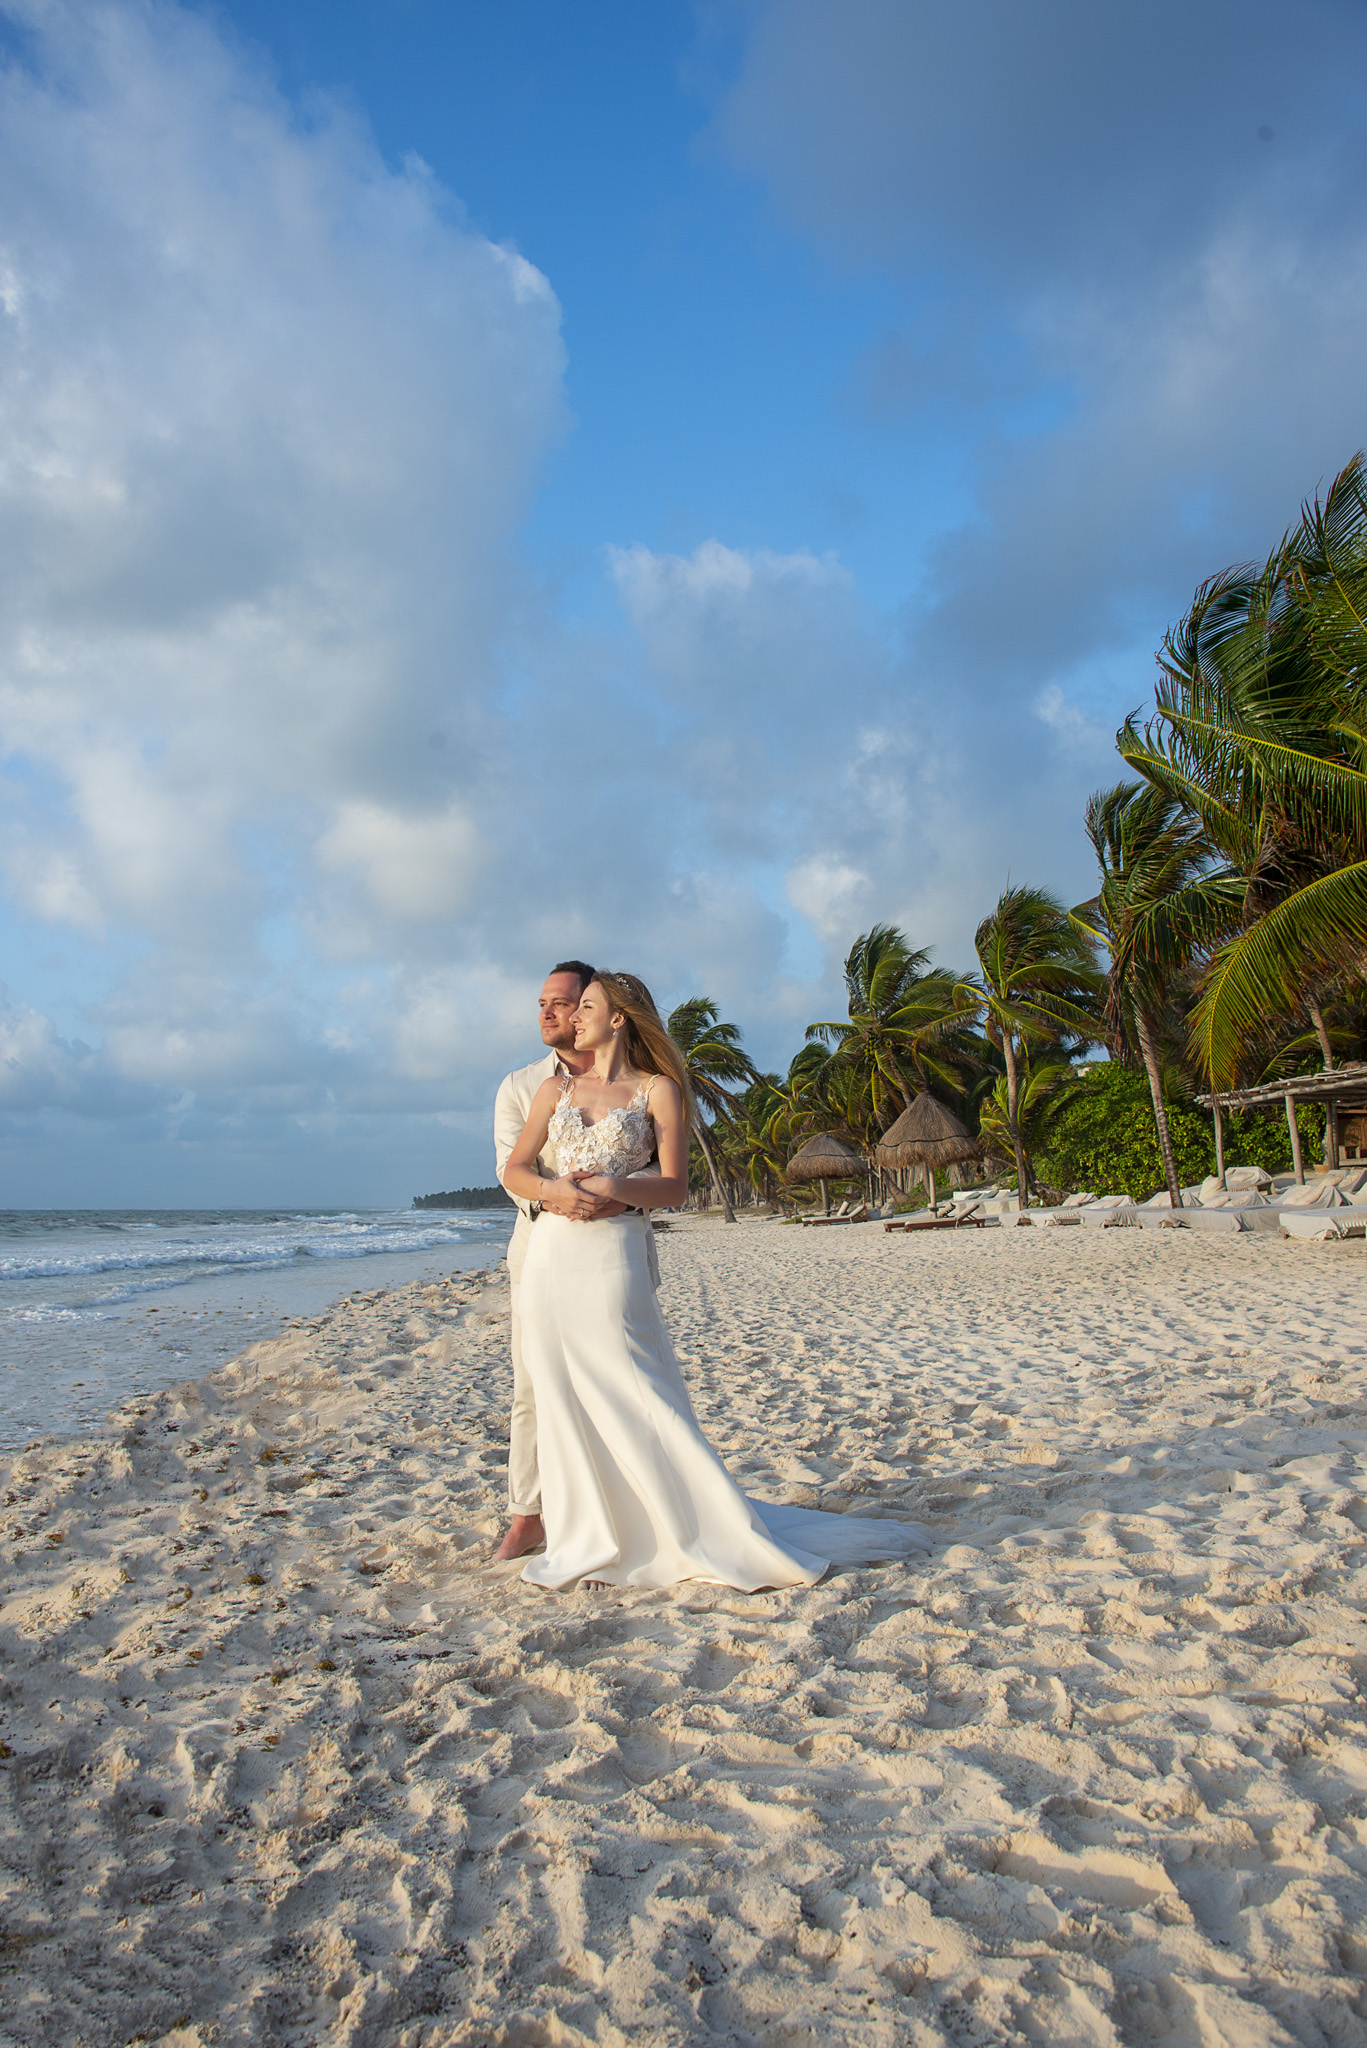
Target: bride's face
{"points": [[593, 1020]]}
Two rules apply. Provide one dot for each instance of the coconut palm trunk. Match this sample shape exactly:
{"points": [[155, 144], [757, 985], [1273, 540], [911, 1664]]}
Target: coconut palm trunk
{"points": [[1148, 1048], [1321, 1032], [717, 1067], [1039, 983], [1156, 913], [710, 1157], [900, 1082], [1012, 1101]]}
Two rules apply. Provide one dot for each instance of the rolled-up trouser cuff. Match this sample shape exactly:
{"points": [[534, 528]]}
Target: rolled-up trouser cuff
{"points": [[524, 1479]]}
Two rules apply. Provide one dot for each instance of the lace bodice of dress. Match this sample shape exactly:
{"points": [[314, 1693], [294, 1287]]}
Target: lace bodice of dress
{"points": [[621, 1142]]}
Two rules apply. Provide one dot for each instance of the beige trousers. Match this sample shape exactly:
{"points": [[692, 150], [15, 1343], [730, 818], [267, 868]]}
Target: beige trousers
{"points": [[524, 1478]]}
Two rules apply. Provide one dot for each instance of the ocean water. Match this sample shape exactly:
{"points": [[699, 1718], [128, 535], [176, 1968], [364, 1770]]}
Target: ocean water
{"points": [[97, 1305]]}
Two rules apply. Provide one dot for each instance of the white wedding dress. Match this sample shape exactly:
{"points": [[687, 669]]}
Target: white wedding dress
{"points": [[632, 1492]]}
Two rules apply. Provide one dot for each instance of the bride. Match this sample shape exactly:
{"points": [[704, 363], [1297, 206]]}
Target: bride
{"points": [[632, 1492]]}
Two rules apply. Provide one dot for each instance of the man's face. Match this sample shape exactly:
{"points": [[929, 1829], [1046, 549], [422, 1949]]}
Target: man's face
{"points": [[559, 1001]]}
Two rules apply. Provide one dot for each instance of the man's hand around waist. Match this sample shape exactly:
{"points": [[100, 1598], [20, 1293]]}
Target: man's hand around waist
{"points": [[565, 1197]]}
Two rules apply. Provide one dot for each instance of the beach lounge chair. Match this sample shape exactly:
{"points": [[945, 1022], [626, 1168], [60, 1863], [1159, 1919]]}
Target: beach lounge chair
{"points": [[846, 1213], [932, 1221], [1190, 1217], [1239, 1180], [1110, 1212], [1319, 1193], [1312, 1223]]}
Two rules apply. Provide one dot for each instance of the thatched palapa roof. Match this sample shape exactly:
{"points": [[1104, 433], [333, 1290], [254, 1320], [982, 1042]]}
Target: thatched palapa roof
{"points": [[825, 1157], [927, 1134]]}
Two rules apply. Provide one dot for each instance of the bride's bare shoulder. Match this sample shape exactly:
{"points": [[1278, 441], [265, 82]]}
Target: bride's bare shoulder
{"points": [[661, 1092]]}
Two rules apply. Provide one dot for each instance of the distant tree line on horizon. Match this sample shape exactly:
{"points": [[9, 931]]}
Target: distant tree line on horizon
{"points": [[466, 1198], [1224, 945]]}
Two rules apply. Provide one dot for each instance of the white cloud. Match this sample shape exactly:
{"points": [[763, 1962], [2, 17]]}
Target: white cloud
{"points": [[1012, 145], [39, 1069], [456, 1025], [834, 897], [1071, 724], [652, 583], [420, 869], [761, 667]]}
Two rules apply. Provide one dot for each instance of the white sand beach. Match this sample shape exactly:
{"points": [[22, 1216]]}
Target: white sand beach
{"points": [[286, 1760]]}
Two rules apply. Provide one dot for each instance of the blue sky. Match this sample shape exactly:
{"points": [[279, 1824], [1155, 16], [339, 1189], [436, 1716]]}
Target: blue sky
{"points": [[668, 483]]}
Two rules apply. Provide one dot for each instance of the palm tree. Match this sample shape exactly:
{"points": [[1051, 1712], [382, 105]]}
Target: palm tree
{"points": [[1158, 905], [907, 1026], [717, 1066], [1038, 983], [748, 1137], [1261, 734], [795, 1110], [1046, 1089], [847, 1103]]}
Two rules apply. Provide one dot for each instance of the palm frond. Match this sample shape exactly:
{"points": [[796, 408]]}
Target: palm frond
{"points": [[1271, 966]]}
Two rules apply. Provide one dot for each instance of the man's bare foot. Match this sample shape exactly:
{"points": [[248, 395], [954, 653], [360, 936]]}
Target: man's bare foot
{"points": [[526, 1533]]}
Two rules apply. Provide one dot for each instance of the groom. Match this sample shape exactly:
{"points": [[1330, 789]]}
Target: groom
{"points": [[564, 985]]}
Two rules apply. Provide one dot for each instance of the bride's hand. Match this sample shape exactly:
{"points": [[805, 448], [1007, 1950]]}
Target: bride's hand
{"points": [[565, 1197], [604, 1191]]}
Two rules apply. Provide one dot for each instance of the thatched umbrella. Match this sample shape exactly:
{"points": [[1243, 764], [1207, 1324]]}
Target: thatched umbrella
{"points": [[825, 1158], [926, 1136]]}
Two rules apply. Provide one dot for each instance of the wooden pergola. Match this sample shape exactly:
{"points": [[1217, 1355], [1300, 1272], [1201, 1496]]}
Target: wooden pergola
{"points": [[1342, 1090]]}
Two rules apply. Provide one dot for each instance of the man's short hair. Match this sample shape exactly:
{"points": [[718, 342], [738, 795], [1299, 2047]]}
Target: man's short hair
{"points": [[580, 967]]}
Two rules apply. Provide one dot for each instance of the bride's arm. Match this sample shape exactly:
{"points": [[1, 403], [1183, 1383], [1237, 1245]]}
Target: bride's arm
{"points": [[520, 1176], [667, 1188]]}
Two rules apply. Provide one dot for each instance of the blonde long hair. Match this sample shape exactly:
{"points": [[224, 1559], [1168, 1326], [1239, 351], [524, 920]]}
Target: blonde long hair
{"points": [[649, 1047]]}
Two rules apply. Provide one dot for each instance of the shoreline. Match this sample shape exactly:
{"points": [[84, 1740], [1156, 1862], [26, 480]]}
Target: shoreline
{"points": [[80, 1359], [289, 1760]]}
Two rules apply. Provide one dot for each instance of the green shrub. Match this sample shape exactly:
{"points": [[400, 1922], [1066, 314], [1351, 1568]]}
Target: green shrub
{"points": [[1107, 1140]]}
